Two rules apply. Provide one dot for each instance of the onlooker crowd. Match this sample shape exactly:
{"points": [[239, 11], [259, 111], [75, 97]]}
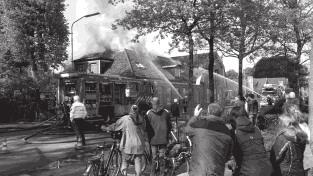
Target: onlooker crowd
{"points": [[219, 141]]}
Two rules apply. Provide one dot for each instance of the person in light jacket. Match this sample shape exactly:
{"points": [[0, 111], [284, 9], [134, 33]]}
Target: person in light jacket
{"points": [[134, 139], [78, 113]]}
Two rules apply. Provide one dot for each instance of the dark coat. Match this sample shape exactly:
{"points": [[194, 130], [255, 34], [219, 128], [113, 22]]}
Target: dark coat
{"points": [[211, 149], [287, 152], [249, 150], [175, 110], [159, 126], [253, 106]]}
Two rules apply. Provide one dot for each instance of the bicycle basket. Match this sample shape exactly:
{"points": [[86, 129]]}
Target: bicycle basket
{"points": [[116, 134]]}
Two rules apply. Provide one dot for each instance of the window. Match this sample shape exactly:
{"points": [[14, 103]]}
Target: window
{"points": [[70, 87], [105, 66], [105, 93], [90, 87], [92, 68]]}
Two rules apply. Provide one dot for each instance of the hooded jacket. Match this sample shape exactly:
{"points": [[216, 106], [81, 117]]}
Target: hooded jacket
{"points": [[287, 152], [133, 138], [212, 145], [249, 150], [158, 126]]}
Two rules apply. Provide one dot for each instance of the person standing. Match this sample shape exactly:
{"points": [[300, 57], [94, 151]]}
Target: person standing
{"points": [[249, 151], [133, 139], [175, 114], [287, 153], [78, 113], [158, 129], [212, 142], [252, 108]]}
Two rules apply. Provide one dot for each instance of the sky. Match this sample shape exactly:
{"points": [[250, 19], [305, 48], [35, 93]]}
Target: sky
{"points": [[94, 34]]}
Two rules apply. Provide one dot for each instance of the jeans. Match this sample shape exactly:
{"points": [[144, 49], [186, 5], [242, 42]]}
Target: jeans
{"points": [[158, 151]]}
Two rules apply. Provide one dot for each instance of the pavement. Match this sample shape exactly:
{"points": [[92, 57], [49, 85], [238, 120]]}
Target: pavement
{"points": [[48, 154], [43, 154]]}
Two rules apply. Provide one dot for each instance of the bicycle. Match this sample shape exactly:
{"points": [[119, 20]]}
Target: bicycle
{"points": [[99, 166], [177, 160]]}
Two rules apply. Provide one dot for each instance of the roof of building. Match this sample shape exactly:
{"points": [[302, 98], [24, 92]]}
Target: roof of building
{"points": [[129, 63], [139, 64], [106, 55]]}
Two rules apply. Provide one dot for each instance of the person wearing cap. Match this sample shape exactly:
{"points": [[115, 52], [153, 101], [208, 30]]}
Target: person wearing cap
{"points": [[78, 113], [158, 129], [212, 141]]}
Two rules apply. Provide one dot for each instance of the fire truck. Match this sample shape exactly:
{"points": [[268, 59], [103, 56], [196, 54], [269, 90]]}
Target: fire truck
{"points": [[105, 97]]}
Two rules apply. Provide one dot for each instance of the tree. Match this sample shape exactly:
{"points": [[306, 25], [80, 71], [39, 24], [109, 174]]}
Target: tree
{"points": [[213, 24], [33, 41], [249, 30], [35, 34], [294, 30], [232, 74], [175, 19]]}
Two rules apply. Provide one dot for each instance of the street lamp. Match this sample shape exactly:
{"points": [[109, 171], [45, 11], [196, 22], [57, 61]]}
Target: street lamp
{"points": [[85, 16]]}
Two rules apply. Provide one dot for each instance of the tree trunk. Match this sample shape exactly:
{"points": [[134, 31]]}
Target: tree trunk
{"points": [[240, 91], [190, 80], [242, 50], [211, 69], [298, 54], [311, 97], [211, 59]]}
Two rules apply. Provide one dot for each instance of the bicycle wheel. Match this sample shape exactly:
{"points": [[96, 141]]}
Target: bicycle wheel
{"points": [[114, 164], [93, 168]]}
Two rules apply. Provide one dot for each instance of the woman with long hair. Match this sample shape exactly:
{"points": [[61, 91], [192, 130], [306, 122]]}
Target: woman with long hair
{"points": [[288, 149]]}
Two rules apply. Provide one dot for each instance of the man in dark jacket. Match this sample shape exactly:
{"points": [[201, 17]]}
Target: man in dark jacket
{"points": [[249, 150], [158, 120], [212, 142]]}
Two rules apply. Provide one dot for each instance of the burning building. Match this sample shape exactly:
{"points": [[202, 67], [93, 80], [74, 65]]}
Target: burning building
{"points": [[109, 82]]}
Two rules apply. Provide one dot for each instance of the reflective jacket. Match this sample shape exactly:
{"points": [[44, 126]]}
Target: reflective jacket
{"points": [[78, 110]]}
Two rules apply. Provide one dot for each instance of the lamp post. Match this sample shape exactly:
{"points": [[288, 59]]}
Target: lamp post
{"points": [[85, 16]]}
